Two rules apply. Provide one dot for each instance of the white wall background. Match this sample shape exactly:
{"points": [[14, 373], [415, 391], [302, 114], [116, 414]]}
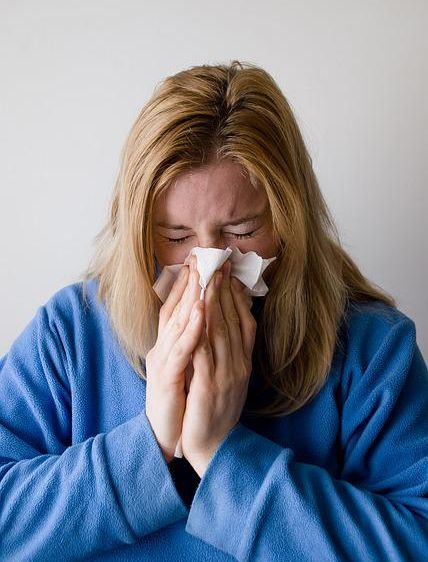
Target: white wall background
{"points": [[74, 75]]}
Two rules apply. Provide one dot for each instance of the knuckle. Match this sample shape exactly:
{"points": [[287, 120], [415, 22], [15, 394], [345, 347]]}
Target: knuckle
{"points": [[178, 351], [221, 328], [178, 326], [233, 318]]}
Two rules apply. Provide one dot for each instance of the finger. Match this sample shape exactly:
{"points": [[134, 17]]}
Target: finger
{"points": [[181, 313], [191, 294], [174, 296], [179, 355], [230, 315], [247, 321], [217, 329]]}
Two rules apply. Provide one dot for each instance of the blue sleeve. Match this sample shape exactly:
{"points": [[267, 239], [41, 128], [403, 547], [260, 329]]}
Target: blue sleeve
{"points": [[62, 502], [257, 502]]}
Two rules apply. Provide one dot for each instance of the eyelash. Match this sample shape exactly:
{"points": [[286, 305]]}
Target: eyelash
{"points": [[238, 236]]}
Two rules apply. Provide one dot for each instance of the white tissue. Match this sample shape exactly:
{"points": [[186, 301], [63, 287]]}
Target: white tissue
{"points": [[248, 268]]}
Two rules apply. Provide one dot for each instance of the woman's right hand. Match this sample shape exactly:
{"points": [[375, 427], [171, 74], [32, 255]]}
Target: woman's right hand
{"points": [[166, 362]]}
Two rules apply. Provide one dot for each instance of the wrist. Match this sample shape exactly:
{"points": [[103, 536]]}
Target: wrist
{"points": [[167, 456], [200, 463]]}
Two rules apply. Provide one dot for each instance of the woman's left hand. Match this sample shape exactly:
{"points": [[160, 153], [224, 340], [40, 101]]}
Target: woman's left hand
{"points": [[222, 369]]}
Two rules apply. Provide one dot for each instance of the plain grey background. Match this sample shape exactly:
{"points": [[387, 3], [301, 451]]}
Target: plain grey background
{"points": [[75, 74]]}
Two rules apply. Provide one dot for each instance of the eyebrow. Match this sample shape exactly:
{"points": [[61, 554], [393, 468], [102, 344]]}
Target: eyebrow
{"points": [[242, 220]]}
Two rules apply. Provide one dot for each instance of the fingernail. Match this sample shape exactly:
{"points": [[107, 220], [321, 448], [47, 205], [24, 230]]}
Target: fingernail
{"points": [[183, 272]]}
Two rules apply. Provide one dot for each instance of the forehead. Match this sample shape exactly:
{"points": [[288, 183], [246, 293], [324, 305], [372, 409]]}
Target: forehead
{"points": [[218, 191]]}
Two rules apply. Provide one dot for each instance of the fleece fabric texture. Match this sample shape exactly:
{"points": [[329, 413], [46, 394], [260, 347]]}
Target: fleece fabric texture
{"points": [[83, 478]]}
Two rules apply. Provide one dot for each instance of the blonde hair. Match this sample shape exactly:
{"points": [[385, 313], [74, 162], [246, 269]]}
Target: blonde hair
{"points": [[234, 111]]}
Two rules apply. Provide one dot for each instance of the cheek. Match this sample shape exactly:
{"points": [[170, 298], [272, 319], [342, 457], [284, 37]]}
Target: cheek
{"points": [[263, 244], [169, 255], [270, 248]]}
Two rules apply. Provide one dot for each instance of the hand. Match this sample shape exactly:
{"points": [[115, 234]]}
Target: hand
{"points": [[166, 362], [222, 368]]}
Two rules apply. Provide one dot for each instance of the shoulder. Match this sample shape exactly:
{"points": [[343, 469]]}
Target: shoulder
{"points": [[375, 338], [76, 316], [76, 301], [384, 399], [373, 320], [375, 309]]}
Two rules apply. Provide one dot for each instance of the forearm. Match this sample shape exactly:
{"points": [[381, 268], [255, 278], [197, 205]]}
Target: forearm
{"points": [[280, 509], [95, 496]]}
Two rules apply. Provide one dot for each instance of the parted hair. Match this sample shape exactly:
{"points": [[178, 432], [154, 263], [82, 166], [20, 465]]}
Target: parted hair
{"points": [[236, 111]]}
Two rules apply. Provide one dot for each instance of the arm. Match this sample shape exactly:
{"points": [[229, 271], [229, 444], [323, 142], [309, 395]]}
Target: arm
{"points": [[60, 502], [257, 502]]}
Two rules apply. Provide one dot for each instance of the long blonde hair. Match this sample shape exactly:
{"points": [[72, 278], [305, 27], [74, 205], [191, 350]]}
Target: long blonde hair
{"points": [[234, 111]]}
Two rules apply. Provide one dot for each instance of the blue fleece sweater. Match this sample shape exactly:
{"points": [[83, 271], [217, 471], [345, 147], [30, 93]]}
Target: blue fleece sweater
{"points": [[82, 476]]}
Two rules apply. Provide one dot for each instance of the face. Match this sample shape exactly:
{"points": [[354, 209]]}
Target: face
{"points": [[214, 206]]}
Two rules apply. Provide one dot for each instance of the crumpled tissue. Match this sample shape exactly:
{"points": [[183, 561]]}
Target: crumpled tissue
{"points": [[248, 268]]}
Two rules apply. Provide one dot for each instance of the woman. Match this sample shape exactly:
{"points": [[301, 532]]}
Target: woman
{"points": [[304, 430]]}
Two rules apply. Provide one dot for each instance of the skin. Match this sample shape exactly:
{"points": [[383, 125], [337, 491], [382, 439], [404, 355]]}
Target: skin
{"points": [[220, 338], [203, 199]]}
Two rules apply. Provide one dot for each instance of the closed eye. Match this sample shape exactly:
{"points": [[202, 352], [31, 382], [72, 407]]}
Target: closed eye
{"points": [[237, 236]]}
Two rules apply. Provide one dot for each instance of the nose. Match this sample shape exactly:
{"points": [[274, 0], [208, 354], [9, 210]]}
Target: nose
{"points": [[212, 241]]}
